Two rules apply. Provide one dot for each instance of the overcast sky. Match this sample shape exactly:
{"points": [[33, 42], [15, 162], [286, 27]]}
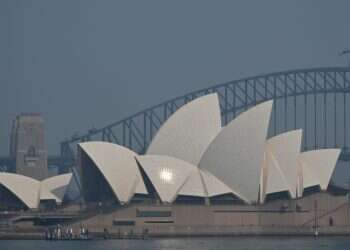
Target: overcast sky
{"points": [[85, 64]]}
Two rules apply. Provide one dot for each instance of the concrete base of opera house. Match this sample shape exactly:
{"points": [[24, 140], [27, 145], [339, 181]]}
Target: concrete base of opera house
{"points": [[328, 213]]}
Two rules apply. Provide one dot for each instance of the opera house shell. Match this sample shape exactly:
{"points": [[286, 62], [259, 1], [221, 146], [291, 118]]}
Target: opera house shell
{"points": [[192, 156], [29, 192]]}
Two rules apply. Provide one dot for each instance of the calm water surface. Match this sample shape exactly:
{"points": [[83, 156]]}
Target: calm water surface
{"points": [[246, 243]]}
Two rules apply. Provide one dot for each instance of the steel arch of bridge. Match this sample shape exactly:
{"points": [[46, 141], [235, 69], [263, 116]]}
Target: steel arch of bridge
{"points": [[313, 99]]}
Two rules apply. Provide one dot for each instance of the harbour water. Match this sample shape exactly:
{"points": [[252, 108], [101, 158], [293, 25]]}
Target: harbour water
{"points": [[237, 243]]}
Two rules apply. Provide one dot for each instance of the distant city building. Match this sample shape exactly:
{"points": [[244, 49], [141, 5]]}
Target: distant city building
{"points": [[27, 146], [30, 186]]}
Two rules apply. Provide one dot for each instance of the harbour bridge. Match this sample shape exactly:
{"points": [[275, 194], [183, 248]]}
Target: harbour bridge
{"points": [[315, 100]]}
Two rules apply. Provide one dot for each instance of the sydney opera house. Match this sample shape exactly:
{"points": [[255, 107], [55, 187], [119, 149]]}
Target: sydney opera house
{"points": [[194, 158], [198, 177]]}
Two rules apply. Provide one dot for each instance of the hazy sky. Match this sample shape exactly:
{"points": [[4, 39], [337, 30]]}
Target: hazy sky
{"points": [[85, 64]]}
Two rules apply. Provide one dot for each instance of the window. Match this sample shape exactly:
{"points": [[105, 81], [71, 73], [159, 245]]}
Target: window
{"points": [[31, 152], [123, 223], [153, 213], [159, 222]]}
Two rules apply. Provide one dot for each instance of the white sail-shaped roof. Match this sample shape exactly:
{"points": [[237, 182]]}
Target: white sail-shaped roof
{"points": [[194, 185], [118, 166], [309, 179], [321, 164], [167, 174], [236, 155], [275, 180], [55, 187], [45, 194], [284, 150], [214, 186], [189, 131], [140, 187], [24, 188]]}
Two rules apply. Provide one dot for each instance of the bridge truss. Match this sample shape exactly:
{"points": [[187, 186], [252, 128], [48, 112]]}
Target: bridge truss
{"points": [[315, 100]]}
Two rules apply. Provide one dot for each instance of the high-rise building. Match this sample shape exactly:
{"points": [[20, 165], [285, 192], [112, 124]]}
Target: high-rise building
{"points": [[28, 146]]}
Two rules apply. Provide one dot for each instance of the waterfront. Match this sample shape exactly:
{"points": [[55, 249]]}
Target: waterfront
{"points": [[246, 243]]}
